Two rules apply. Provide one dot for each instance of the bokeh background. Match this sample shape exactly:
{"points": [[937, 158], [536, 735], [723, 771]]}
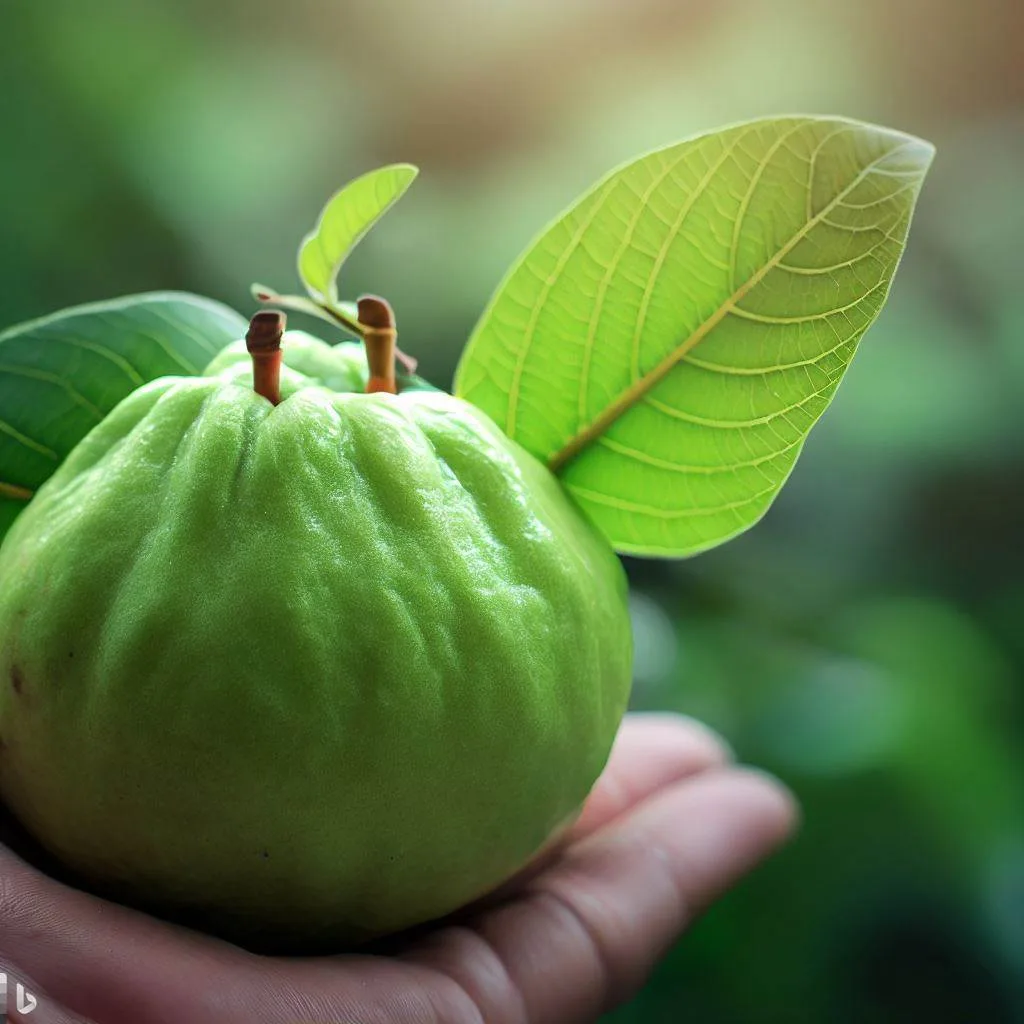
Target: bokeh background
{"points": [[866, 641]]}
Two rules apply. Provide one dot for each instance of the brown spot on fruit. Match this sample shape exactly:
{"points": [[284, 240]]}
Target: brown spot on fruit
{"points": [[17, 679]]}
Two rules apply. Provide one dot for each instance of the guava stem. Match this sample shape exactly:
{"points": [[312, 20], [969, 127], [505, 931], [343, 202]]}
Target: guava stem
{"points": [[263, 340], [379, 334]]}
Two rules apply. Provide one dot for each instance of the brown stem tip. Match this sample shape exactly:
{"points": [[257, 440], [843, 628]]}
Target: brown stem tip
{"points": [[263, 340], [379, 334]]}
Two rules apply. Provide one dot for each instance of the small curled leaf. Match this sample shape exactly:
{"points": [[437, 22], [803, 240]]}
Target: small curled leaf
{"points": [[346, 218]]}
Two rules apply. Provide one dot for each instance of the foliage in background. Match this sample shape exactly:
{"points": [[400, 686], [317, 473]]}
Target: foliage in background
{"points": [[865, 641]]}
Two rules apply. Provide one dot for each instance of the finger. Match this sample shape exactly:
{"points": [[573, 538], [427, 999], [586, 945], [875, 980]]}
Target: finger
{"points": [[111, 964], [652, 750], [24, 997], [115, 965], [587, 933], [119, 965]]}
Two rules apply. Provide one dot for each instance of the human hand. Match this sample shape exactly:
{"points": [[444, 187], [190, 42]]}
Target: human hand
{"points": [[669, 826]]}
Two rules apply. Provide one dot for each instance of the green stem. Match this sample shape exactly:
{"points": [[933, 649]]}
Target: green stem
{"points": [[344, 320]]}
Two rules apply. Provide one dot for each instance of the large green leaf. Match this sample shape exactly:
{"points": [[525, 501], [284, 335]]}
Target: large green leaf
{"points": [[346, 218], [59, 376], [667, 344]]}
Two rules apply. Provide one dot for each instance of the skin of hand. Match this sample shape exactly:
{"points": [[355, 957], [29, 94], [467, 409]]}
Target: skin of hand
{"points": [[670, 825]]}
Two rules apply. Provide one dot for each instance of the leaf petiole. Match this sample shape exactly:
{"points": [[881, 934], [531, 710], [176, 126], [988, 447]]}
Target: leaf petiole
{"points": [[14, 492], [333, 314]]}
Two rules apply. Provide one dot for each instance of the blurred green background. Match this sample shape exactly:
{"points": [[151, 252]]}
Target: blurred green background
{"points": [[865, 641]]}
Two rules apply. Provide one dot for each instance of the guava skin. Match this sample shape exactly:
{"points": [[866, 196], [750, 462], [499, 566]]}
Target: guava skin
{"points": [[319, 671]]}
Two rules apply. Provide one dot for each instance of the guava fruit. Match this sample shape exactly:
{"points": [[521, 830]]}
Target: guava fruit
{"points": [[314, 671]]}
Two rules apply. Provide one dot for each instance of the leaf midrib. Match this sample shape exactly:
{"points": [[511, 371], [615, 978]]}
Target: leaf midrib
{"points": [[631, 395], [14, 492]]}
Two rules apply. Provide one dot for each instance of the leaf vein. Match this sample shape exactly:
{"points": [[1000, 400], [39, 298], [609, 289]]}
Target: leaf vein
{"points": [[28, 442], [531, 327], [101, 350], [624, 247], [741, 213], [576, 443], [623, 505], [15, 492], [764, 318], [684, 211], [52, 378], [188, 329], [638, 455]]}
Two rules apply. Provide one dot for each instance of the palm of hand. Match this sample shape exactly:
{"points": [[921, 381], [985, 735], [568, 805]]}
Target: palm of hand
{"points": [[668, 827]]}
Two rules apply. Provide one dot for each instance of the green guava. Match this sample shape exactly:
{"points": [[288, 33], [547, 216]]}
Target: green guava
{"points": [[315, 671]]}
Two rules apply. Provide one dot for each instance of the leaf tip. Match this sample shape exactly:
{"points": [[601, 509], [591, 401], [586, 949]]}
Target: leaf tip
{"points": [[406, 170], [914, 151]]}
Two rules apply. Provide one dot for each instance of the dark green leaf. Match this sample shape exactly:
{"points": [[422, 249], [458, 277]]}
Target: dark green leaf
{"points": [[60, 375]]}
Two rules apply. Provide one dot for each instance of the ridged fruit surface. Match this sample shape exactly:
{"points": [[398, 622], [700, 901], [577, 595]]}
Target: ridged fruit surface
{"points": [[322, 670]]}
